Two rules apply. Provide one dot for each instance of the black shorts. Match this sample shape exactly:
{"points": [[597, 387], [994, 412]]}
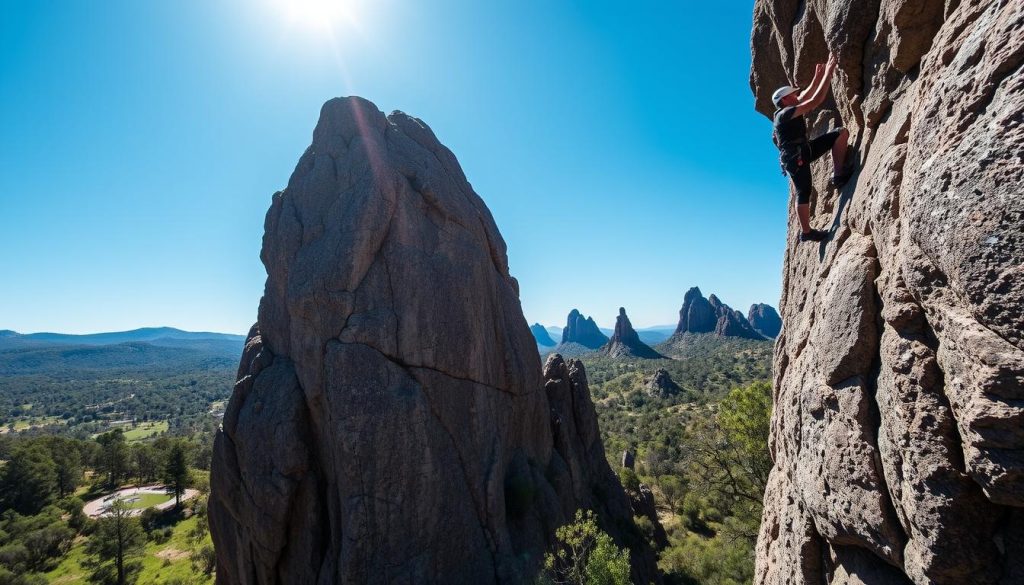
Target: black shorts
{"points": [[800, 174]]}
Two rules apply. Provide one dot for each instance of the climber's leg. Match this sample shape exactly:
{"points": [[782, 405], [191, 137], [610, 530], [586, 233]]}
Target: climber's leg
{"points": [[839, 152], [836, 141], [801, 177]]}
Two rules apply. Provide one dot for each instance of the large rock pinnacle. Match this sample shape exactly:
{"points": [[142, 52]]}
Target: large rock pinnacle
{"points": [[391, 423], [625, 342], [583, 331], [899, 373]]}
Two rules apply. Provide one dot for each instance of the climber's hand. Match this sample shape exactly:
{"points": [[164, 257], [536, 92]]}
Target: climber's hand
{"points": [[832, 62]]}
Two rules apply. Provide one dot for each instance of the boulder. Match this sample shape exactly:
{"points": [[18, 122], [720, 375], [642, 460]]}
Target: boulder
{"points": [[661, 385]]}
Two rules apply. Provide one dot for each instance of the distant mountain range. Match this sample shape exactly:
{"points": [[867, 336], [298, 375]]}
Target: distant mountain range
{"points": [[162, 335], [152, 346]]}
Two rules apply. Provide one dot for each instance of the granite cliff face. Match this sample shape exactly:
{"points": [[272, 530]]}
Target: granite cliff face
{"points": [[625, 342], [765, 320], [897, 431], [391, 422], [710, 315]]}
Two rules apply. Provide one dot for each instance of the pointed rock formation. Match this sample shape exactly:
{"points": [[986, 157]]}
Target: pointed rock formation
{"points": [[697, 315], [581, 335], [583, 330], [899, 374], [660, 384], [710, 315], [541, 335], [765, 320], [390, 422], [626, 343]]}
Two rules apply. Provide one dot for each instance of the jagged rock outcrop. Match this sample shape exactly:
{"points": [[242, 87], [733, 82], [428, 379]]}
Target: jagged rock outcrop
{"points": [[541, 335], [391, 422], [765, 320], [625, 342], [731, 323], [583, 331], [644, 506], [710, 315], [660, 384], [899, 374]]}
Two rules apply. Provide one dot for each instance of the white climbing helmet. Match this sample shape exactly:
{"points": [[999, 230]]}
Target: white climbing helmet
{"points": [[781, 93]]}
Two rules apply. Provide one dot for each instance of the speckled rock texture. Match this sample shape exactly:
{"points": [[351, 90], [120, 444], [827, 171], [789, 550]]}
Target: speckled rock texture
{"points": [[391, 422], [897, 431]]}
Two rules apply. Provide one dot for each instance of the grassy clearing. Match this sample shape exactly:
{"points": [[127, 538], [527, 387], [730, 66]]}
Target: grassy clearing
{"points": [[161, 563], [140, 432], [22, 424], [143, 501], [146, 430], [172, 559]]}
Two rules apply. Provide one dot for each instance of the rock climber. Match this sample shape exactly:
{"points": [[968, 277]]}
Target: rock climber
{"points": [[796, 152]]}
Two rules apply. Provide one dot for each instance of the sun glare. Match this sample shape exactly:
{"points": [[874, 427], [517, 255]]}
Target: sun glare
{"points": [[322, 14]]}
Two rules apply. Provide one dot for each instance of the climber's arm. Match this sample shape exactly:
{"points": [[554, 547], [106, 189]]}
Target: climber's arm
{"points": [[819, 71], [818, 92]]}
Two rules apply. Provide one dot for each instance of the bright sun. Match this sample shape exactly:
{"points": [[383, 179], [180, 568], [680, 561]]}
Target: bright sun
{"points": [[318, 13]]}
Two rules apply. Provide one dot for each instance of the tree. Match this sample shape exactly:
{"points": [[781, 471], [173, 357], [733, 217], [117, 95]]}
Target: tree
{"points": [[117, 544], [114, 456], [731, 462], [204, 559], [586, 556], [672, 489], [29, 480], [145, 462], [68, 460], [176, 473]]}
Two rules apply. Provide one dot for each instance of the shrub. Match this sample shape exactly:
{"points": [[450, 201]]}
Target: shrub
{"points": [[585, 555]]}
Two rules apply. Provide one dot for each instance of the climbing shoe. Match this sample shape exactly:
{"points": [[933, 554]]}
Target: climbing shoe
{"points": [[813, 236]]}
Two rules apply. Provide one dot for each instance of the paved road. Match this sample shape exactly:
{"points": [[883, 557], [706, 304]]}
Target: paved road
{"points": [[96, 508]]}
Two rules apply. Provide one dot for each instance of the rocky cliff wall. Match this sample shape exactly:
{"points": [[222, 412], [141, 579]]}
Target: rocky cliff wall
{"points": [[897, 432], [391, 422]]}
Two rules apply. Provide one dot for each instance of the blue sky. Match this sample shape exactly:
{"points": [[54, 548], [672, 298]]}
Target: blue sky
{"points": [[615, 143]]}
